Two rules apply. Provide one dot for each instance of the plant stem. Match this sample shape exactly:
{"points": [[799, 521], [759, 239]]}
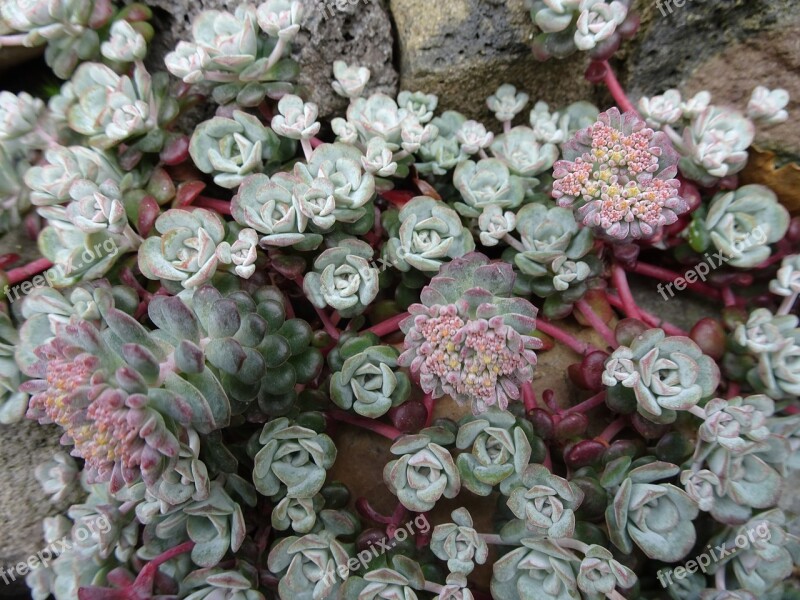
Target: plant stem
{"points": [[365, 509], [562, 336], [728, 296], [613, 85], [613, 429], [433, 588], [670, 276], [29, 270], [620, 280], [428, 402], [307, 149], [528, 397], [330, 328], [595, 321], [787, 304], [513, 242], [383, 429], [587, 405], [733, 390], [649, 318], [388, 326], [698, 412], [221, 206]]}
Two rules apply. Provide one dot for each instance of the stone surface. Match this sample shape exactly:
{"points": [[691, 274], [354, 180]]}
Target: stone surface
{"points": [[462, 50], [727, 47], [359, 32], [23, 504]]}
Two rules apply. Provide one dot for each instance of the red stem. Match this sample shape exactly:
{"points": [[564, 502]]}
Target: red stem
{"points": [[388, 326], [620, 280], [528, 396], [668, 276], [29, 270], [613, 85], [649, 318], [365, 509], [221, 206], [383, 429], [8, 259], [327, 324], [613, 429], [595, 321], [728, 296], [587, 405], [733, 390], [427, 401], [562, 336]]}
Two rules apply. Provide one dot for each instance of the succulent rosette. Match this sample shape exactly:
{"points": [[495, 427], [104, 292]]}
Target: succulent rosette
{"points": [[737, 424], [618, 177], [500, 447], [13, 402], [537, 569], [425, 470], [767, 560], [657, 517], [470, 338], [343, 278], [599, 574], [523, 154], [367, 377], [459, 544], [377, 116], [486, 183], [744, 222], [546, 503], [667, 374], [428, 234], [292, 457], [186, 249], [217, 583]]}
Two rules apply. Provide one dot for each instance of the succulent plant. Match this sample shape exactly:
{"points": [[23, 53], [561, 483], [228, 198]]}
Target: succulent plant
{"points": [[296, 120], [634, 202], [667, 374], [298, 513], [418, 104], [313, 567], [398, 583], [737, 424], [546, 503], [186, 249], [367, 378], [459, 544], [13, 402], [442, 151], [495, 225], [473, 137], [19, 117], [500, 447], [377, 116], [232, 148], [787, 280], [744, 222], [506, 102], [67, 27], [702, 487], [218, 584], [58, 476], [425, 470], [125, 43], [470, 338], [596, 26], [714, 145], [349, 80], [774, 344], [599, 574], [428, 234], [229, 55], [293, 457], [241, 255], [657, 517], [768, 106], [524, 155], [14, 194], [537, 569], [766, 561], [549, 128], [486, 183], [665, 109]]}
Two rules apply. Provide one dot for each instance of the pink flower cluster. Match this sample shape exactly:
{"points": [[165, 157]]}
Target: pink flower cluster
{"points": [[620, 179], [481, 361], [117, 435]]}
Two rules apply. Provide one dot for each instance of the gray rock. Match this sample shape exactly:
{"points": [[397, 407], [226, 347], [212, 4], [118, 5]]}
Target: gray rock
{"points": [[23, 504], [462, 50], [727, 47], [359, 32]]}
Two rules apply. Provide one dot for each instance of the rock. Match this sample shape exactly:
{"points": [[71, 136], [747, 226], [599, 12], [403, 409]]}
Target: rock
{"points": [[727, 47], [462, 50], [23, 504], [357, 31]]}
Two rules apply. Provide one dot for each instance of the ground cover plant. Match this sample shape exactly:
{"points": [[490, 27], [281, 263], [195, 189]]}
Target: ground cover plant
{"points": [[215, 303]]}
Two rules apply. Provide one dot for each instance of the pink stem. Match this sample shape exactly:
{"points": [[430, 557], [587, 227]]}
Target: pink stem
{"points": [[388, 326], [528, 396], [316, 142], [620, 281], [330, 328], [613, 429], [427, 401], [728, 296], [563, 337], [587, 405], [670, 276], [548, 461], [8, 259], [595, 321], [613, 85], [649, 318], [383, 429], [733, 390], [365, 509], [221, 206], [29, 270]]}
